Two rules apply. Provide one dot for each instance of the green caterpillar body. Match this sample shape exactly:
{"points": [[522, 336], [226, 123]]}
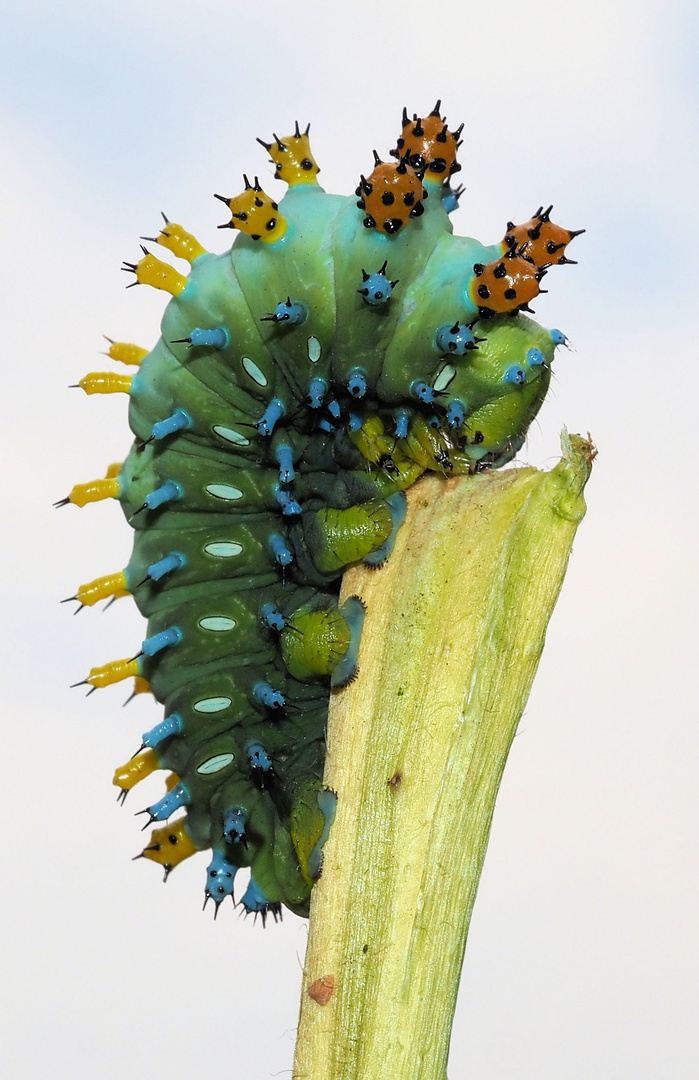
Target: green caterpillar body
{"points": [[303, 380]]}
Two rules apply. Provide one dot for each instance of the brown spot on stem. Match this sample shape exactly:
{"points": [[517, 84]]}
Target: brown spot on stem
{"points": [[322, 989], [395, 781]]}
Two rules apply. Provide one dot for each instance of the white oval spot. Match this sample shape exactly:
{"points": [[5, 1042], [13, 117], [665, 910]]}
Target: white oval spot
{"points": [[212, 704], [217, 622], [215, 764], [444, 377], [225, 549], [224, 491], [254, 372], [314, 349], [230, 435]]}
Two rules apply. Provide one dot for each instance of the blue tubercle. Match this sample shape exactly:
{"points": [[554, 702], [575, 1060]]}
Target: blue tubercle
{"points": [[234, 822], [355, 421], [558, 337], [165, 807], [422, 392], [285, 458], [218, 338], [376, 288], [259, 759], [167, 492], [535, 357], [273, 412], [171, 725], [450, 198], [456, 339], [333, 408], [280, 550], [456, 412], [174, 561], [402, 419], [163, 640], [178, 421], [272, 618], [515, 374], [267, 696], [317, 389], [290, 507], [289, 312], [356, 383], [220, 875]]}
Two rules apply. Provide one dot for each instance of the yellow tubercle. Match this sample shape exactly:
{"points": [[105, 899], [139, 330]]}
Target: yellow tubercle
{"points": [[113, 672], [141, 685], [113, 470], [94, 491], [105, 382], [292, 158], [255, 213], [138, 768], [170, 845], [102, 587], [180, 242], [125, 352], [171, 781], [159, 274]]}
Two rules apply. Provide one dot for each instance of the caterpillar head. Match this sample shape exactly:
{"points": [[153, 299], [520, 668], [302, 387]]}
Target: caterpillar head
{"points": [[540, 239], [507, 284], [292, 157], [391, 195], [427, 143], [254, 213]]}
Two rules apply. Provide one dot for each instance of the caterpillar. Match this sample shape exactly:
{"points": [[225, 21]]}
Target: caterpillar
{"points": [[303, 380]]}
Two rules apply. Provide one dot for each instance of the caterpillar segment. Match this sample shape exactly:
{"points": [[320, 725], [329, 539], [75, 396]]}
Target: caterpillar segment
{"points": [[303, 380]]}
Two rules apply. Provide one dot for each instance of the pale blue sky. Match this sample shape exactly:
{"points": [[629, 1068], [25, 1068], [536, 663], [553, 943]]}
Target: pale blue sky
{"points": [[582, 959]]}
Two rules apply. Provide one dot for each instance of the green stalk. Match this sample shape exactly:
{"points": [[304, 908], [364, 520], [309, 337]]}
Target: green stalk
{"points": [[454, 630]]}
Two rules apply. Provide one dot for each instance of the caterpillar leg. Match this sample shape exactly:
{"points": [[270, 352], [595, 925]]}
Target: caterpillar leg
{"points": [[312, 815], [337, 538], [324, 641]]}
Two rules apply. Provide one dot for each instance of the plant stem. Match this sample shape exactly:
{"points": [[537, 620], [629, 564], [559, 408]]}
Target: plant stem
{"points": [[454, 630]]}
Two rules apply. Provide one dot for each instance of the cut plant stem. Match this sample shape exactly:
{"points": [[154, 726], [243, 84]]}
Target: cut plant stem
{"points": [[455, 625]]}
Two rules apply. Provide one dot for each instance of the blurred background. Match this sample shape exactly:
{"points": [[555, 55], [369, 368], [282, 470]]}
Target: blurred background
{"points": [[582, 958]]}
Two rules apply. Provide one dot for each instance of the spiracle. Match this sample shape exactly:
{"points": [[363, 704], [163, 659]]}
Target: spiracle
{"points": [[303, 380]]}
